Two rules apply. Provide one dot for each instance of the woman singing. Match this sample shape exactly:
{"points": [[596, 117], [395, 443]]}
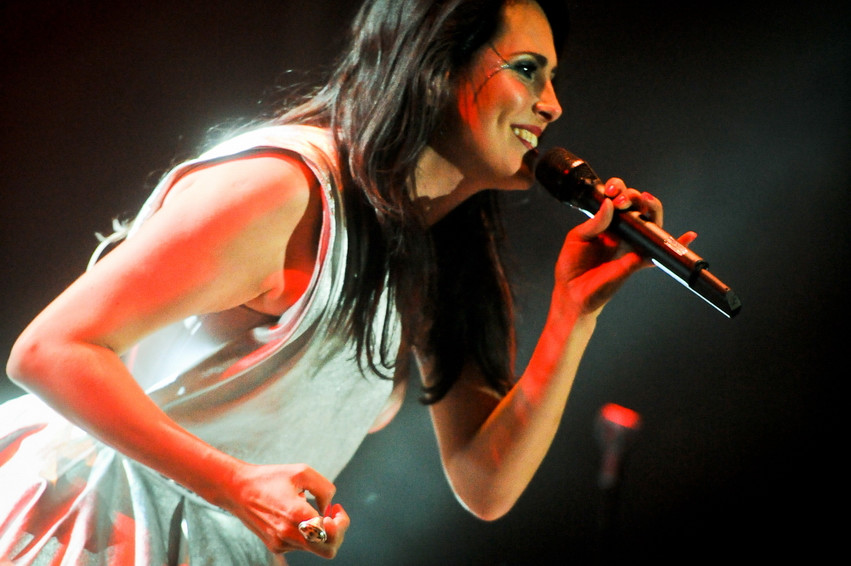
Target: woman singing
{"points": [[195, 393]]}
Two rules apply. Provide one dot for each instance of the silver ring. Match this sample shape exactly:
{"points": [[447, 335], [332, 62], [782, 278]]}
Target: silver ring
{"points": [[312, 530]]}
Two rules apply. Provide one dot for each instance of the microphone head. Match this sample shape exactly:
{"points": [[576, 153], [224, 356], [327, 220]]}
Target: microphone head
{"points": [[568, 178]]}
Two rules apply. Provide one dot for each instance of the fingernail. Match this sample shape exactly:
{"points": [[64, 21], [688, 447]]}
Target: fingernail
{"points": [[611, 190], [622, 202]]}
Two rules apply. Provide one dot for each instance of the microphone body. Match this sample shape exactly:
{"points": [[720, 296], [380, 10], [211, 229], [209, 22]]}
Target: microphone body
{"points": [[572, 181]]}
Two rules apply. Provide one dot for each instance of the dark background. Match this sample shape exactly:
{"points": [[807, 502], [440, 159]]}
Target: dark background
{"points": [[736, 116]]}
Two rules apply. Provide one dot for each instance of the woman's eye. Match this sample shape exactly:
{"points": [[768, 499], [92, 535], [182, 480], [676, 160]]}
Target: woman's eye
{"points": [[525, 68]]}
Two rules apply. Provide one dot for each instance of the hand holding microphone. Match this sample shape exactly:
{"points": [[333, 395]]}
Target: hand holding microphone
{"points": [[572, 181]]}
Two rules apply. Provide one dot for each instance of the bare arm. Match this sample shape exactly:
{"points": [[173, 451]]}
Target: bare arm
{"points": [[224, 238], [491, 447]]}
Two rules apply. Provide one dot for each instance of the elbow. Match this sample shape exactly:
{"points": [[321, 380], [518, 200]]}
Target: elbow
{"points": [[484, 496], [485, 508], [491, 513], [26, 360], [17, 364]]}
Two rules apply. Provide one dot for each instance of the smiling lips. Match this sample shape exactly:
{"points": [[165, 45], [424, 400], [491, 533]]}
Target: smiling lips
{"points": [[528, 137]]}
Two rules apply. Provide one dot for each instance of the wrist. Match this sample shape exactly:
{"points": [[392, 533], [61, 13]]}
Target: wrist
{"points": [[214, 477], [571, 315]]}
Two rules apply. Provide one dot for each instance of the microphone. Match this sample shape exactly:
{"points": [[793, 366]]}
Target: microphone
{"points": [[572, 181], [614, 427]]}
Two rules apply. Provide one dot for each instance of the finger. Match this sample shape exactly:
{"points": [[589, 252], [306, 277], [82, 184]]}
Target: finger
{"points": [[627, 199], [336, 523], [614, 187], [651, 207], [318, 485], [598, 223], [687, 238]]}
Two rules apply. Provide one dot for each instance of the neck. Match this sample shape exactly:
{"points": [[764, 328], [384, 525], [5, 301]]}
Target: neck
{"points": [[441, 186]]}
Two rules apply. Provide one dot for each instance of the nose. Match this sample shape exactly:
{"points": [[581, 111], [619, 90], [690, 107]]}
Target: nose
{"points": [[547, 105]]}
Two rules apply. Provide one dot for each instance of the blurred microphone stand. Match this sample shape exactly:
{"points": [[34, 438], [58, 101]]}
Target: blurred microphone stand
{"points": [[615, 427]]}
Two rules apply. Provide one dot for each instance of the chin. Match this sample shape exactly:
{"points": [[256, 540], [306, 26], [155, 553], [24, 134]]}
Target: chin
{"points": [[524, 177], [513, 176]]}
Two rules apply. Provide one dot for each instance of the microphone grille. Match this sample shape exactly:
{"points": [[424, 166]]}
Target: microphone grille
{"points": [[563, 174]]}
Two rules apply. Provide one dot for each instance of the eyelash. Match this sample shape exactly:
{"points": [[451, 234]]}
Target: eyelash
{"points": [[526, 68], [529, 69]]}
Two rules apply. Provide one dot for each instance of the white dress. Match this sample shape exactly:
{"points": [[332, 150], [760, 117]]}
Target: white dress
{"points": [[287, 392]]}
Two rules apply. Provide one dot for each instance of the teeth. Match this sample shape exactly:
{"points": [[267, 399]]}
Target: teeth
{"points": [[526, 135]]}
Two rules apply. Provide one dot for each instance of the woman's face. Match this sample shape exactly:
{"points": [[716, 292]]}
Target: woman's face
{"points": [[505, 101]]}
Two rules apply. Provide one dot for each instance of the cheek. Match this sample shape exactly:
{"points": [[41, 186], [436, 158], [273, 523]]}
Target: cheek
{"points": [[491, 111], [514, 99], [470, 112], [501, 102]]}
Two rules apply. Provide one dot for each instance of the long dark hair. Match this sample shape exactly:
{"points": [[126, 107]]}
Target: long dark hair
{"points": [[383, 103]]}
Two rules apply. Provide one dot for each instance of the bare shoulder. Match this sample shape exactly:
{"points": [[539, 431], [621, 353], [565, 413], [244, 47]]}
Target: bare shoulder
{"points": [[223, 238], [266, 180], [263, 214]]}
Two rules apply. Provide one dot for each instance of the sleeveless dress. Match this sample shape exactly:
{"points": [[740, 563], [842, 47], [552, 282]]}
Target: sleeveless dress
{"points": [[289, 391]]}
